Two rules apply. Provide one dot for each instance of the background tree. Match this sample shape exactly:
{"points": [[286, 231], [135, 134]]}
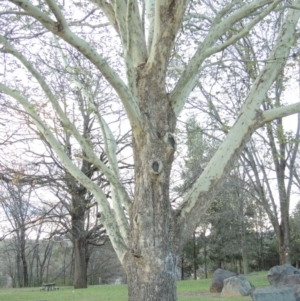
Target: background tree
{"points": [[191, 257], [16, 202], [73, 209], [295, 237], [233, 80]]}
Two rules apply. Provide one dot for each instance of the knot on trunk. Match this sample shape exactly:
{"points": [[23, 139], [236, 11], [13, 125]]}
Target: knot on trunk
{"points": [[170, 140], [156, 166]]}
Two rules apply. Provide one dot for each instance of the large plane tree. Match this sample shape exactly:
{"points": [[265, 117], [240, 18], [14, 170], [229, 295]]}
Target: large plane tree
{"points": [[159, 39]]}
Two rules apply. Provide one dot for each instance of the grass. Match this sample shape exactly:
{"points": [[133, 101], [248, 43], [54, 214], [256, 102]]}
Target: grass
{"points": [[188, 290]]}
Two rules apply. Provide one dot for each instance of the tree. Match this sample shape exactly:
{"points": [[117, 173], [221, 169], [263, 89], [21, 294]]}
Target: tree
{"points": [[146, 231], [295, 237], [276, 150], [272, 149], [72, 204], [283, 156], [15, 202], [191, 257], [228, 216], [73, 198]]}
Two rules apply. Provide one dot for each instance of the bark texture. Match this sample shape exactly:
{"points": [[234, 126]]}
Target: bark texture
{"points": [[151, 262], [79, 243], [80, 263]]}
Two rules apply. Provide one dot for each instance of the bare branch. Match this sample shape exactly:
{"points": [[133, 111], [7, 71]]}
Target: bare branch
{"points": [[189, 78], [108, 216], [248, 121], [167, 19], [64, 119], [62, 30], [280, 112], [135, 36], [57, 13], [109, 12], [119, 195]]}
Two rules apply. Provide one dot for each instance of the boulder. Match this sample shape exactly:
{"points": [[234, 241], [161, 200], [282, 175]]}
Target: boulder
{"points": [[237, 286], [277, 274], [290, 280], [272, 293], [296, 290], [216, 285]]}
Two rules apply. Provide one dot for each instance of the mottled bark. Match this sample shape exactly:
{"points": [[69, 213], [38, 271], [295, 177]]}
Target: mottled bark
{"points": [[151, 281], [151, 262]]}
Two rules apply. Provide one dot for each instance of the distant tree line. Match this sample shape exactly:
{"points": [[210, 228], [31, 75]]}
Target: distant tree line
{"points": [[250, 220], [53, 261], [220, 245]]}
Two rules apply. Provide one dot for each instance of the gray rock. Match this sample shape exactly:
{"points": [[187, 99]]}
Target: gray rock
{"points": [[272, 293], [296, 291], [237, 286], [277, 274], [290, 280], [216, 285]]}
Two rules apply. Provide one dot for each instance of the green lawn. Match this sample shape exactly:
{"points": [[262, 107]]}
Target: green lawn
{"points": [[188, 290]]}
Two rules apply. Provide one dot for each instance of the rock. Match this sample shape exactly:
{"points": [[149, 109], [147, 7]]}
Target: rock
{"points": [[216, 285], [290, 280], [277, 274], [237, 286], [296, 291], [272, 293], [286, 276]]}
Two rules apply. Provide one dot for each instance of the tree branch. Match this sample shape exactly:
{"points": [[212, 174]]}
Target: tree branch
{"points": [[65, 120], [108, 216], [280, 112], [244, 31], [57, 13], [167, 19], [63, 31], [250, 118], [189, 78], [150, 13], [294, 151], [119, 194], [109, 13], [110, 144], [135, 36]]}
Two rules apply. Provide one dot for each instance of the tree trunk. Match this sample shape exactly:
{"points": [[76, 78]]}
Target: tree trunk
{"points": [[194, 257], [80, 263], [205, 255], [25, 270], [284, 244], [285, 254], [244, 248], [23, 257], [152, 260], [19, 277], [279, 157], [182, 269], [151, 281], [79, 243]]}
